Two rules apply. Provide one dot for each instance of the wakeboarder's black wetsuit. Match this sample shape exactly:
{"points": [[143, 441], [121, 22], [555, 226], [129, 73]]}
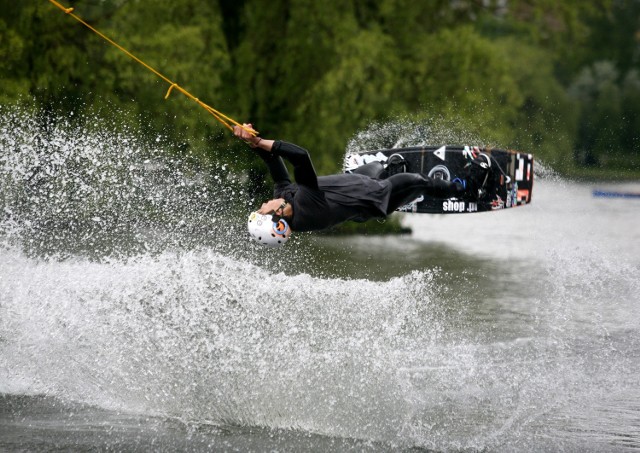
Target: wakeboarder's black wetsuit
{"points": [[321, 202]]}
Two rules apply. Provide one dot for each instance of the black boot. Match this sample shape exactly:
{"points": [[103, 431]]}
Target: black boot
{"points": [[395, 164], [476, 174]]}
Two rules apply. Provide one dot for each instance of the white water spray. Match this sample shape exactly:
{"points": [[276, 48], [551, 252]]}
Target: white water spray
{"points": [[113, 292]]}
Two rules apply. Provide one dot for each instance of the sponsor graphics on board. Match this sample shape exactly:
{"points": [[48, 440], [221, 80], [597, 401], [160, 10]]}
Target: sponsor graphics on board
{"points": [[413, 206], [498, 203], [353, 161], [511, 196], [523, 197], [471, 152], [509, 186], [520, 169], [440, 172], [459, 206], [440, 152]]}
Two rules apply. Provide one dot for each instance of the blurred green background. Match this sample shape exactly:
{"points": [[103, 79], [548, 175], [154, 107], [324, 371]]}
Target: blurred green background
{"points": [[558, 79]]}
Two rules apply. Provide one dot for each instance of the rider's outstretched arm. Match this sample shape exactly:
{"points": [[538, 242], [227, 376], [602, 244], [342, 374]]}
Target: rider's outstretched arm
{"points": [[303, 170], [277, 168], [263, 147], [271, 151]]}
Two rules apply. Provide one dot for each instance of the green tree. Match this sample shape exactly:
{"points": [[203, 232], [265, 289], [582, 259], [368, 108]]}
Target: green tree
{"points": [[564, 28], [631, 115], [359, 88], [327, 76], [46, 56], [547, 119], [184, 41], [316, 72], [613, 36], [462, 76], [12, 52], [597, 91]]}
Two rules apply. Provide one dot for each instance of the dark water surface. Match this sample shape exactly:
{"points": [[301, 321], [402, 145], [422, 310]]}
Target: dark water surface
{"points": [[39, 423]]}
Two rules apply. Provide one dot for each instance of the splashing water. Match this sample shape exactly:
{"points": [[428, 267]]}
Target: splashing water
{"points": [[120, 289], [70, 189], [406, 133]]}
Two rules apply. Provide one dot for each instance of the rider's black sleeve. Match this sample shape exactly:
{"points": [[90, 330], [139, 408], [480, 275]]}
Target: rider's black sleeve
{"points": [[303, 171], [276, 167]]}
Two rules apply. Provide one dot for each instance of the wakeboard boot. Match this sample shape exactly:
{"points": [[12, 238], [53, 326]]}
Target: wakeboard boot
{"points": [[476, 174], [395, 164]]}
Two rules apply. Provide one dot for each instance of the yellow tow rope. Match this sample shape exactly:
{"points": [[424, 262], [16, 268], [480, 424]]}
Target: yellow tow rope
{"points": [[222, 118]]}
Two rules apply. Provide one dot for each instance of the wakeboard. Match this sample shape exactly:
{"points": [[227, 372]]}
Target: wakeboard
{"points": [[509, 183]]}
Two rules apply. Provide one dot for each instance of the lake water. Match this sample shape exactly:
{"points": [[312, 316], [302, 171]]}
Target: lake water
{"points": [[506, 331]]}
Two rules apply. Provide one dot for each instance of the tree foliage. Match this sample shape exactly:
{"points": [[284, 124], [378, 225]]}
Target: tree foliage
{"points": [[558, 79]]}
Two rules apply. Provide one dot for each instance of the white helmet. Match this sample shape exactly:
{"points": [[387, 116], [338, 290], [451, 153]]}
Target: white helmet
{"points": [[266, 231]]}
